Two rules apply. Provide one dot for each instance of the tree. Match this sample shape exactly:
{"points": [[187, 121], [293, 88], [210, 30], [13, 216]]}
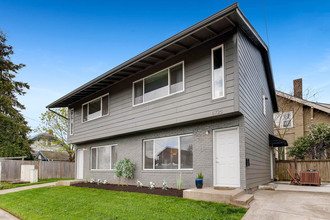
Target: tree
{"points": [[315, 145], [57, 126], [14, 129], [286, 105]]}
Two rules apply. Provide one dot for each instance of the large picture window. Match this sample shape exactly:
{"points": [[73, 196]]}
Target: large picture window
{"points": [[104, 157], [96, 108], [168, 153], [218, 89], [163, 83]]}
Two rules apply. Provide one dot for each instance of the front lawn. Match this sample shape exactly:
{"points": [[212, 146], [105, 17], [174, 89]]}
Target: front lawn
{"points": [[69, 202], [5, 185]]}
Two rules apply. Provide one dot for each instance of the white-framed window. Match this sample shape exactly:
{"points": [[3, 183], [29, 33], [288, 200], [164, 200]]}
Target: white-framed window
{"points": [[104, 157], [95, 108], [71, 121], [264, 102], [218, 84], [169, 153], [283, 119], [166, 82]]}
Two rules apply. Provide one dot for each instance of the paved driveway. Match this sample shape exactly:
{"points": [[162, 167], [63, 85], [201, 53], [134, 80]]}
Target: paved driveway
{"points": [[273, 205]]}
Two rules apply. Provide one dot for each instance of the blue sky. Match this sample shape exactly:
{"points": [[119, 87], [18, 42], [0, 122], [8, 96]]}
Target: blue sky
{"points": [[67, 43]]}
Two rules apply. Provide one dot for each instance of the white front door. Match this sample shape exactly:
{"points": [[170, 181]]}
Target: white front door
{"points": [[226, 157], [80, 164]]}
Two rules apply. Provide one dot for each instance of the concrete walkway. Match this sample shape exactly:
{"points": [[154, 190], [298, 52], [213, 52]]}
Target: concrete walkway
{"points": [[5, 191], [278, 205]]}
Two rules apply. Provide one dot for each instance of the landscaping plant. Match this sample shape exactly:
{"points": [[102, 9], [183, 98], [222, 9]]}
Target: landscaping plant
{"points": [[152, 185], [92, 180], [105, 182], [139, 184], [200, 176], [164, 187], [124, 168]]}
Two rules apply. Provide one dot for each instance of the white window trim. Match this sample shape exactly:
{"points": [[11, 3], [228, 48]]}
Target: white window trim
{"points": [[86, 103], [281, 120], [71, 125], [153, 154], [97, 157], [222, 72], [169, 87], [264, 110], [291, 121]]}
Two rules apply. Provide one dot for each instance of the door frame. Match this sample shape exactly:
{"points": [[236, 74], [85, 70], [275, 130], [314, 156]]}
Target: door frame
{"points": [[77, 161], [214, 152]]}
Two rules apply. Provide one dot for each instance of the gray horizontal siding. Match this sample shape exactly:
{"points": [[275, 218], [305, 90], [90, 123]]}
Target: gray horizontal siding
{"points": [[192, 104], [252, 81]]}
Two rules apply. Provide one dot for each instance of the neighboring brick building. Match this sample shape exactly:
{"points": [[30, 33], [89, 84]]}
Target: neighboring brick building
{"points": [[296, 115]]}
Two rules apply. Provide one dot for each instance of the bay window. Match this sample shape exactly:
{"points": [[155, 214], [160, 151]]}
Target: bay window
{"points": [[96, 108], [103, 157], [161, 84], [170, 153]]}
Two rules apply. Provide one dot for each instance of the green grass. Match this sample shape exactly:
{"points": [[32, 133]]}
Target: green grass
{"points": [[5, 185], [69, 202]]}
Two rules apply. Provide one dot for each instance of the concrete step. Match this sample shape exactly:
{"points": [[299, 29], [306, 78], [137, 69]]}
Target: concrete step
{"points": [[243, 200], [213, 195]]}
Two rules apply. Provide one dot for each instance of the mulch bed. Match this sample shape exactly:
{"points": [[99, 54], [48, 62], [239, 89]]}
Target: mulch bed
{"points": [[133, 188]]}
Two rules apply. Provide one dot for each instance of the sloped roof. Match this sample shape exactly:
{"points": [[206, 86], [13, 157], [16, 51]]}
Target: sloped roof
{"points": [[218, 24], [53, 155], [319, 106]]}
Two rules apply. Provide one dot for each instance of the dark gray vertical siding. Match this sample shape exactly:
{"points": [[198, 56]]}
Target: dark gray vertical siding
{"points": [[252, 82], [192, 104]]}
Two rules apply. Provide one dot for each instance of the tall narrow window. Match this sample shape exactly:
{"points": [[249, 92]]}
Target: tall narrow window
{"points": [[264, 103], [218, 90], [158, 85], [71, 121], [95, 108]]}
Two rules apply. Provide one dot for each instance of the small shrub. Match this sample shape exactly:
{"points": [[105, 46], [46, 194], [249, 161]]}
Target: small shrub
{"points": [[200, 176], [98, 182], [124, 168], [179, 182], [105, 182], [164, 187], [152, 185], [139, 184], [92, 180]]}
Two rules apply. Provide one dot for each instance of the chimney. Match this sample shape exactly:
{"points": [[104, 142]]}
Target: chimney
{"points": [[297, 88]]}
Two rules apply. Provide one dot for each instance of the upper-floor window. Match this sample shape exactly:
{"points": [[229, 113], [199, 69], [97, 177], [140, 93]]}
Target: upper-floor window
{"points": [[168, 153], [71, 121], [283, 119], [161, 84], [104, 157], [264, 103], [96, 108], [218, 89]]}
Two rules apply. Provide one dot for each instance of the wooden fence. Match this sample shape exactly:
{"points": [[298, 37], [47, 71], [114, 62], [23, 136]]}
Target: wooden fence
{"points": [[322, 166], [11, 169]]}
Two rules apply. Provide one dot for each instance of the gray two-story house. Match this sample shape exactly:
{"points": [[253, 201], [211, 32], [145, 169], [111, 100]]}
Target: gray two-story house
{"points": [[200, 101]]}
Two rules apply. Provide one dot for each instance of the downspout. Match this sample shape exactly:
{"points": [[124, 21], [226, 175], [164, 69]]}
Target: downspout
{"points": [[57, 114]]}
